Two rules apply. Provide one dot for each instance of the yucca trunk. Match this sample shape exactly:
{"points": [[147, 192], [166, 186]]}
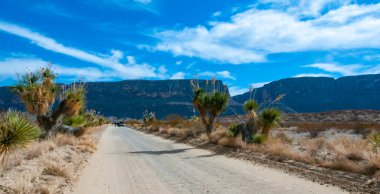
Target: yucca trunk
{"points": [[52, 123], [266, 131]]}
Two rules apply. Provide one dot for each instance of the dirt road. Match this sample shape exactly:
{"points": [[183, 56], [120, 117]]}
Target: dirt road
{"points": [[129, 161]]}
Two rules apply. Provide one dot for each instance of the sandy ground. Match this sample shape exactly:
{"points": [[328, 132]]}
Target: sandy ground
{"points": [[130, 161]]}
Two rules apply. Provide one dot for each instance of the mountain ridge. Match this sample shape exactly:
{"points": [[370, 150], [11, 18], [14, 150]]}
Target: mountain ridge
{"points": [[130, 98]]}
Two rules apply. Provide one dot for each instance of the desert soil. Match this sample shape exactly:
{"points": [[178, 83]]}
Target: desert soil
{"points": [[129, 161]]}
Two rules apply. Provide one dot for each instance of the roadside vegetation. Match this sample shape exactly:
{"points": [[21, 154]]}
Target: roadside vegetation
{"points": [[43, 148], [344, 147]]}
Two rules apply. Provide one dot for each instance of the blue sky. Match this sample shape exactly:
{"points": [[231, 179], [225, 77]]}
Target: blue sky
{"points": [[240, 42]]}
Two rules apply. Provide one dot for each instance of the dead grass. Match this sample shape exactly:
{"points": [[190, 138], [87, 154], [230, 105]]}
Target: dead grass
{"points": [[87, 145], [48, 166], [234, 142], [11, 161], [340, 153], [54, 168], [39, 149], [64, 139]]}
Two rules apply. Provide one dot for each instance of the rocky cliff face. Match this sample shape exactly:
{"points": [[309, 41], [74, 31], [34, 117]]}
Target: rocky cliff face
{"points": [[132, 97], [321, 94]]}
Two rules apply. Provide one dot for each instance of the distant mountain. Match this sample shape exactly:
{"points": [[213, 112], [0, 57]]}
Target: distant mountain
{"points": [[132, 97], [317, 94]]}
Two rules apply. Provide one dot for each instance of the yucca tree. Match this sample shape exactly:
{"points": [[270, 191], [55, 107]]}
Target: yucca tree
{"points": [[268, 119], [209, 104], [250, 124], [38, 92], [16, 131]]}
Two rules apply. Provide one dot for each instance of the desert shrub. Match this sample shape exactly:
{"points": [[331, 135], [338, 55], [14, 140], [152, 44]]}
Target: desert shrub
{"points": [[16, 131], [259, 138], [233, 130]]}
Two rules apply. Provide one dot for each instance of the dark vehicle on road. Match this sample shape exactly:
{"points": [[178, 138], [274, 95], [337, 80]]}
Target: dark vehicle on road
{"points": [[119, 124]]}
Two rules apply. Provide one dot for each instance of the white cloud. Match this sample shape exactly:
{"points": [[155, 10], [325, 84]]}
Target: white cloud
{"points": [[220, 74], [206, 74], [259, 84], [225, 74], [236, 90], [250, 35], [178, 75], [143, 1], [131, 70], [346, 70], [335, 68], [11, 66], [313, 75], [162, 72], [178, 62], [216, 14]]}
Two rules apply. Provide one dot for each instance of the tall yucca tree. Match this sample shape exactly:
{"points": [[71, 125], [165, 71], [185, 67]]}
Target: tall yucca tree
{"points": [[250, 125], [268, 119], [209, 104], [38, 92], [16, 131]]}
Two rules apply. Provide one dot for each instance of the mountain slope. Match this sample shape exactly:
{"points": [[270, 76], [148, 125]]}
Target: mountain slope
{"points": [[317, 94]]}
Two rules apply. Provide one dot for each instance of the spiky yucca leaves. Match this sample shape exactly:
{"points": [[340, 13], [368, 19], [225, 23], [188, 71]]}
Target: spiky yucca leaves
{"points": [[37, 91], [75, 99], [251, 106], [268, 119], [16, 131], [209, 106]]}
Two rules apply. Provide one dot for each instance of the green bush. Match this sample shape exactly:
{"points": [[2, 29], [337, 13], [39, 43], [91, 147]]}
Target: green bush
{"points": [[16, 131], [258, 138], [233, 130], [75, 121]]}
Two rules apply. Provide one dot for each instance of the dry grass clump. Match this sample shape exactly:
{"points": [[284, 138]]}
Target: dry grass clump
{"points": [[82, 131], [203, 137], [64, 139], [312, 146], [234, 142], [353, 156], [39, 149], [54, 168], [87, 145], [315, 129], [11, 161], [217, 134]]}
